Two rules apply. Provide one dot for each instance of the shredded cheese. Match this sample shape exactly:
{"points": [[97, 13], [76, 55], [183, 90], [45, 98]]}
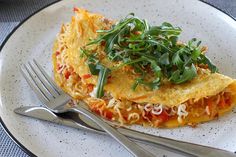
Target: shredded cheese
{"points": [[148, 107], [208, 110], [129, 109], [133, 117], [182, 113], [218, 99], [111, 103], [93, 93], [157, 109]]}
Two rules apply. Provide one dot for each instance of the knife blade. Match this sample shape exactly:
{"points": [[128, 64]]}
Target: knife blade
{"points": [[80, 122], [66, 119]]}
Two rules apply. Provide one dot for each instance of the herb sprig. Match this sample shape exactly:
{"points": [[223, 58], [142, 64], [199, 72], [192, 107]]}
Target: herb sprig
{"points": [[151, 49], [96, 68]]}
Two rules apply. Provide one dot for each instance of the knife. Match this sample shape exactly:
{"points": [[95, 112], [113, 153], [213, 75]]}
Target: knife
{"points": [[80, 122]]}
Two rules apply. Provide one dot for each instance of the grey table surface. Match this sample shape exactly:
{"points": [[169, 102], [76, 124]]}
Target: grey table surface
{"points": [[12, 12]]}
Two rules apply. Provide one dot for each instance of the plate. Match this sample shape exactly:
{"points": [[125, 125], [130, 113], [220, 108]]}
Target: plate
{"points": [[34, 39]]}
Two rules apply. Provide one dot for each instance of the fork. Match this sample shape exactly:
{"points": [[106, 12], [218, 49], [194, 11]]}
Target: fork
{"points": [[58, 101]]}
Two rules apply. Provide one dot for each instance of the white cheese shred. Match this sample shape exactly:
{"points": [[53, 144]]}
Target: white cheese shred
{"points": [[148, 107], [157, 109], [94, 92], [182, 113]]}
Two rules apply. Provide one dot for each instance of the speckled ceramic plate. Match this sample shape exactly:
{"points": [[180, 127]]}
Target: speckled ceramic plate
{"points": [[34, 39]]}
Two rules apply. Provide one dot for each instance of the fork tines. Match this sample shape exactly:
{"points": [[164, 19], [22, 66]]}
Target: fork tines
{"points": [[40, 82]]}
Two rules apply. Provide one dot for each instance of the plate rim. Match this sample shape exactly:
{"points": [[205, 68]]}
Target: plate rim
{"points": [[10, 135]]}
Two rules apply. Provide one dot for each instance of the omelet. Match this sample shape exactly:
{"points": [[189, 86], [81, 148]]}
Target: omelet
{"points": [[206, 97]]}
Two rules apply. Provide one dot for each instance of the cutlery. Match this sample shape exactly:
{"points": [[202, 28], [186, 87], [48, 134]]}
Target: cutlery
{"points": [[80, 122], [58, 101]]}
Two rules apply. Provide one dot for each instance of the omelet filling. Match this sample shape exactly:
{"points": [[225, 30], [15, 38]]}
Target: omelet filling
{"points": [[190, 112]]}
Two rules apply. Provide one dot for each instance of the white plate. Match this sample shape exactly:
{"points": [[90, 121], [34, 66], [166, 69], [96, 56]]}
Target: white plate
{"points": [[34, 39]]}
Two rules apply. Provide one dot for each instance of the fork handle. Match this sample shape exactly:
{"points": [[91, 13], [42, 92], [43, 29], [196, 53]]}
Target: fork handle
{"points": [[180, 147], [132, 147]]}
